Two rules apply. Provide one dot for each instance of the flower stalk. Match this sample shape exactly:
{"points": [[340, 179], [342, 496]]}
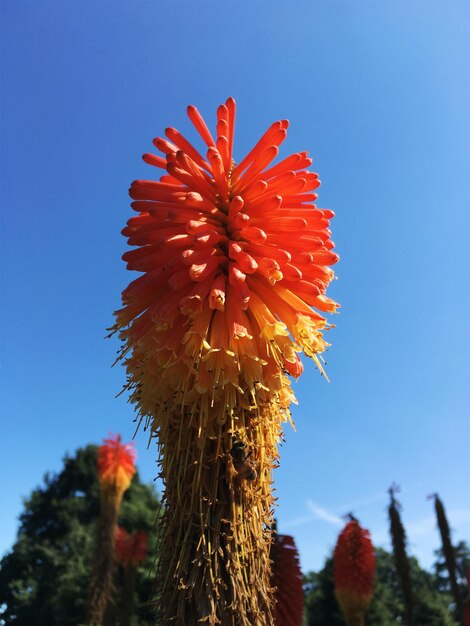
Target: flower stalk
{"points": [[466, 606], [449, 551], [235, 261], [115, 471], [402, 564], [130, 550]]}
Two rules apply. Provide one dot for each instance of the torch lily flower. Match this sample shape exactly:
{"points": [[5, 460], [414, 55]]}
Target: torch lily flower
{"points": [[235, 260], [287, 582], [354, 569], [116, 464]]}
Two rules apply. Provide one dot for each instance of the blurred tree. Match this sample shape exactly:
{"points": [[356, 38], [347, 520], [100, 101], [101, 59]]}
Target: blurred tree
{"points": [[386, 609], [462, 558], [45, 577], [321, 606]]}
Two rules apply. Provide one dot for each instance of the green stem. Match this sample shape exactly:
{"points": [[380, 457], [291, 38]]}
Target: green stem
{"points": [[127, 610], [102, 582]]}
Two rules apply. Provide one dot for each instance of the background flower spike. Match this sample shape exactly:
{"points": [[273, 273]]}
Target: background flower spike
{"points": [[354, 569]]}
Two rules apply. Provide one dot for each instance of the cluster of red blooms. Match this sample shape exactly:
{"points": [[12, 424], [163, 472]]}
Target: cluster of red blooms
{"points": [[116, 463], [130, 548], [354, 569], [288, 582]]}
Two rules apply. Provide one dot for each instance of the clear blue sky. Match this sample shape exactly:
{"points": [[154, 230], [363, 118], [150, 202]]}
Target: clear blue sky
{"points": [[379, 93]]}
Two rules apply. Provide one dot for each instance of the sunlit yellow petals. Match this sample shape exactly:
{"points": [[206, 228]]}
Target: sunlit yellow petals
{"points": [[286, 397], [307, 333]]}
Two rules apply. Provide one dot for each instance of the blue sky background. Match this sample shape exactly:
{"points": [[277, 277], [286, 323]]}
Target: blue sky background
{"points": [[379, 93]]}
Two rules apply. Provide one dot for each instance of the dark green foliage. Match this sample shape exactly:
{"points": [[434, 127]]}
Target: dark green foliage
{"points": [[402, 565], [448, 552], [44, 580], [432, 608], [321, 606]]}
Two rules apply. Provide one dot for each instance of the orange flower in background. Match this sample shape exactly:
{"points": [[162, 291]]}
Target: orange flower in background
{"points": [[287, 582], [131, 548], [236, 261], [354, 569], [116, 463]]}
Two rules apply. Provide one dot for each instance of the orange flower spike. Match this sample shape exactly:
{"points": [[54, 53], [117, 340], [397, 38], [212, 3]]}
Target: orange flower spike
{"points": [[116, 463], [354, 569]]}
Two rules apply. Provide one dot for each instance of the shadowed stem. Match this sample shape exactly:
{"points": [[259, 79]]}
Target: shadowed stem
{"points": [[402, 564], [214, 548], [128, 583], [356, 620], [102, 581], [449, 553]]}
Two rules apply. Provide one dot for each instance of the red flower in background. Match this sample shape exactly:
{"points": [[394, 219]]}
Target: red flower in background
{"points": [[354, 569], [116, 463], [131, 548], [288, 582]]}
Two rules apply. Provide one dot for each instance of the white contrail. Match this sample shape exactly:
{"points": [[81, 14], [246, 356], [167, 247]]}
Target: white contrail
{"points": [[318, 512]]}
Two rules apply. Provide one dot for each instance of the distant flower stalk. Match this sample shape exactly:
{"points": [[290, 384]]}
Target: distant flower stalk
{"points": [[448, 551], [354, 569], [116, 467], [131, 550], [466, 609], [235, 261], [402, 564]]}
